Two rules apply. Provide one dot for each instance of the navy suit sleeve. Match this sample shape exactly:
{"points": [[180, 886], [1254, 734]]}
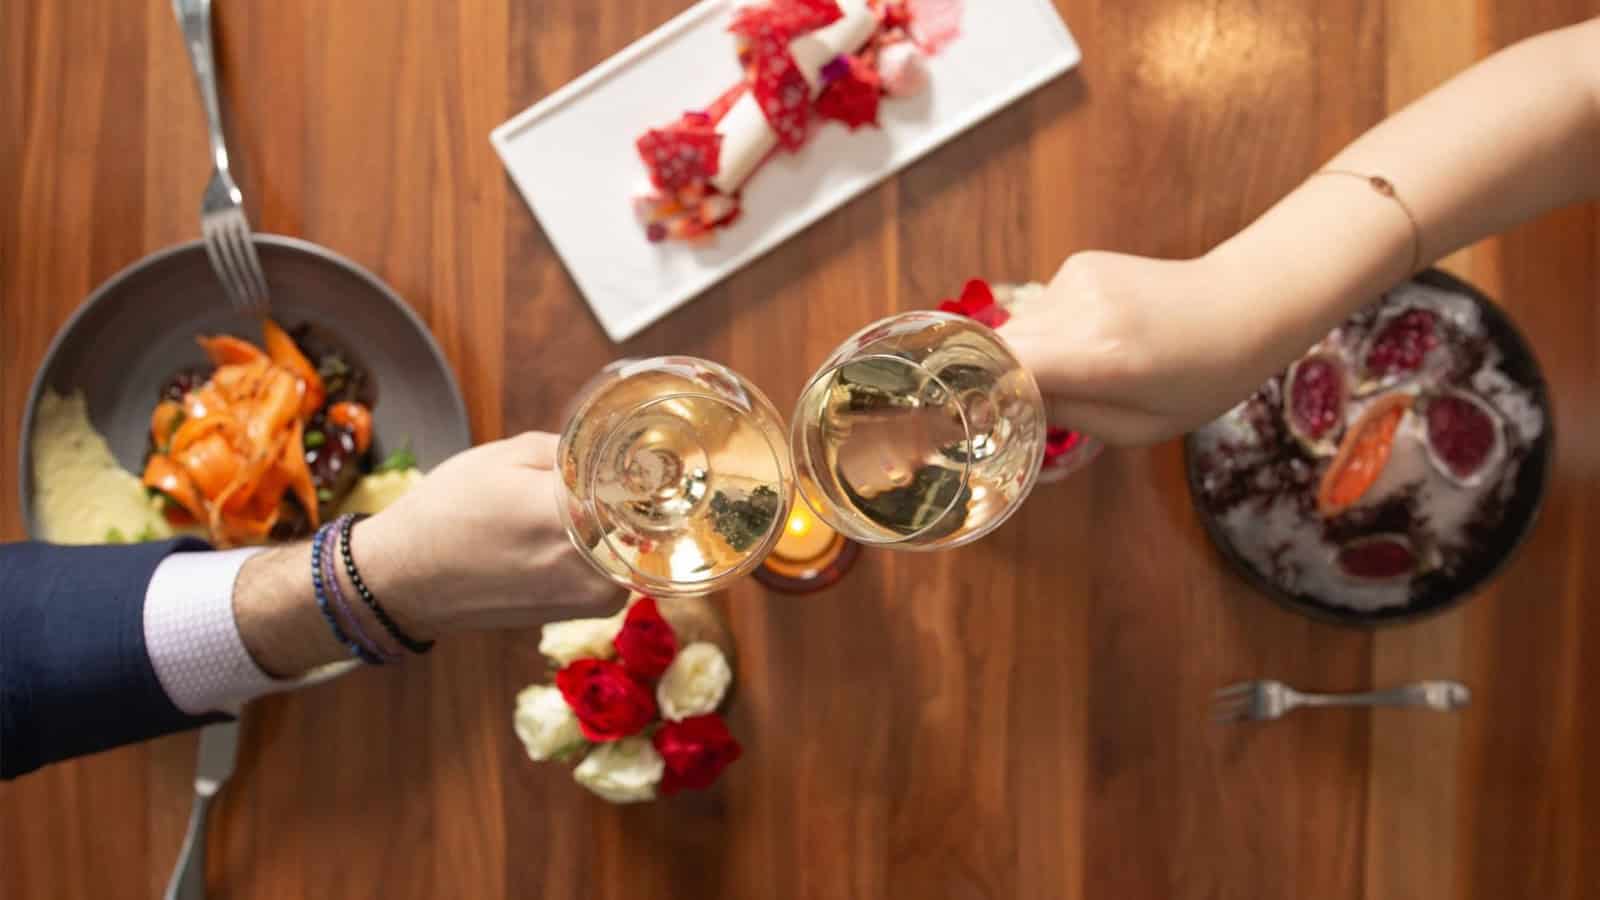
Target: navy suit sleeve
{"points": [[75, 677]]}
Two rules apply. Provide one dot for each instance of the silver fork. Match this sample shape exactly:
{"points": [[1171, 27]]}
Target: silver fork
{"points": [[227, 233], [1266, 700]]}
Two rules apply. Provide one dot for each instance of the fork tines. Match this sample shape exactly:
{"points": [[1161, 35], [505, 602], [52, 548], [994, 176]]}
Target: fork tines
{"points": [[1234, 703], [233, 257]]}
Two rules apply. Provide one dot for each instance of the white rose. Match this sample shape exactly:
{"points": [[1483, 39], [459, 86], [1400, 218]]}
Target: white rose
{"points": [[545, 723], [625, 771], [695, 683], [563, 642]]}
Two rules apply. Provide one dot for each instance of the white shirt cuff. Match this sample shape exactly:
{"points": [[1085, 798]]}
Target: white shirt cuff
{"points": [[192, 638]]}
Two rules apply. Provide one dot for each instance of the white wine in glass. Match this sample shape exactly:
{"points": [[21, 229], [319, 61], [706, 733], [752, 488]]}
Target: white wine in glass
{"points": [[674, 475], [923, 432]]}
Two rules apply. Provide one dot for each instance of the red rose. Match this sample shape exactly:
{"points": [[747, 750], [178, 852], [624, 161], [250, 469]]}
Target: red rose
{"points": [[696, 751], [646, 642], [609, 704], [852, 98]]}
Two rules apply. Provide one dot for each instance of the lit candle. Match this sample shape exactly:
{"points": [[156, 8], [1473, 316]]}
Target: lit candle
{"points": [[805, 538]]}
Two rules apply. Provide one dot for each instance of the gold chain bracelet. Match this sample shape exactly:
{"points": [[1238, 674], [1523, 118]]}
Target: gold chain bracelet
{"points": [[1385, 188]]}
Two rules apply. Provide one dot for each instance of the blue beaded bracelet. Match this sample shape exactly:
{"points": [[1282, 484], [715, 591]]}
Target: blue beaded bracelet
{"points": [[342, 610], [322, 600]]}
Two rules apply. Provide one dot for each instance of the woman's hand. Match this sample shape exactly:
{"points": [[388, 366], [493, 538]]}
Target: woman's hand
{"points": [[1135, 350], [480, 544]]}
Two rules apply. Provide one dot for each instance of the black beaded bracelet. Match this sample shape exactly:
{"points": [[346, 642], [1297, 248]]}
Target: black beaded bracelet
{"points": [[400, 637], [320, 589]]}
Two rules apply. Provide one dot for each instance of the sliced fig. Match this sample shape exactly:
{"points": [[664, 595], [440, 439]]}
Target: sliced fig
{"points": [[1465, 437], [1315, 392], [1362, 455], [1399, 346], [1379, 557]]}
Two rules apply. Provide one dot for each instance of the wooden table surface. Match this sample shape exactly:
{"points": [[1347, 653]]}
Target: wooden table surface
{"points": [[1021, 718]]}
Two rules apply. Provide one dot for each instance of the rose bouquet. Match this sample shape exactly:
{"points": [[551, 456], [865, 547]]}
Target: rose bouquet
{"points": [[635, 700]]}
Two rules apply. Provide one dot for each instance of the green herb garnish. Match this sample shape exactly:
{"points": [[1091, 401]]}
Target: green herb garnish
{"points": [[744, 522], [315, 439], [114, 536], [332, 366], [398, 461], [146, 535], [324, 495]]}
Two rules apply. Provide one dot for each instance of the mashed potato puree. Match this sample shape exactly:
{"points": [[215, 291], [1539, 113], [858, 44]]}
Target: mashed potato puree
{"points": [[82, 496]]}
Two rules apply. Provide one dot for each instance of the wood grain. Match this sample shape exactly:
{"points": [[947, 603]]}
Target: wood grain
{"points": [[1021, 718]]}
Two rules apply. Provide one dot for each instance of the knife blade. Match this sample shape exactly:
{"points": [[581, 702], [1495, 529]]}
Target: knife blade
{"points": [[219, 748]]}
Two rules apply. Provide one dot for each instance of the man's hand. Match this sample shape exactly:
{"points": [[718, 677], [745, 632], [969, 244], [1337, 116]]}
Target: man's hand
{"points": [[478, 544]]}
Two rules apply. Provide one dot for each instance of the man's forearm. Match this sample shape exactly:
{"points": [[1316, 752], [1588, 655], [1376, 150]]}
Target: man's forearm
{"points": [[277, 614], [282, 624], [1510, 138]]}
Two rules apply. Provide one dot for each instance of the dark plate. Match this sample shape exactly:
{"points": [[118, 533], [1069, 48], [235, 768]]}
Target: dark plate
{"points": [[136, 329], [1434, 593]]}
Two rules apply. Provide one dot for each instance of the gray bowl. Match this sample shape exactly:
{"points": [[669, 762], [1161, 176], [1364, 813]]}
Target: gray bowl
{"points": [[139, 327]]}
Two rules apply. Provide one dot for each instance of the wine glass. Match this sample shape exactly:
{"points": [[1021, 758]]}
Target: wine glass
{"points": [[675, 479], [922, 431]]}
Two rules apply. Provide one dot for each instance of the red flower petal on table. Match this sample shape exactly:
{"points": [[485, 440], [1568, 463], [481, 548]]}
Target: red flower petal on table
{"points": [[646, 642], [852, 98], [1058, 442], [680, 155], [977, 302], [695, 751], [609, 704]]}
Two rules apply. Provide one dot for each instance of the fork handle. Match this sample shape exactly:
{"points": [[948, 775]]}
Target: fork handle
{"points": [[189, 877], [1441, 696], [194, 17]]}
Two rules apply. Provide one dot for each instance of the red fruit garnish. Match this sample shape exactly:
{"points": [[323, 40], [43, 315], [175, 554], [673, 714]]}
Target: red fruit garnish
{"points": [[1315, 393], [1403, 343], [775, 81], [852, 97], [681, 155], [1464, 437], [1377, 558], [895, 15], [1362, 456]]}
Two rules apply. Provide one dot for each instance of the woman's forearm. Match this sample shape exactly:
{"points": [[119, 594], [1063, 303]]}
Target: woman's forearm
{"points": [[1512, 137]]}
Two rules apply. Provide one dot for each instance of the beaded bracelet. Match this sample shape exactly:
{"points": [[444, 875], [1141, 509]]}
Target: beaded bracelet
{"points": [[329, 576], [319, 586], [346, 525]]}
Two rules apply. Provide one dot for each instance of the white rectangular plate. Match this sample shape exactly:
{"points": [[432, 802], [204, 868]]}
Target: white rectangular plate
{"points": [[572, 154]]}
